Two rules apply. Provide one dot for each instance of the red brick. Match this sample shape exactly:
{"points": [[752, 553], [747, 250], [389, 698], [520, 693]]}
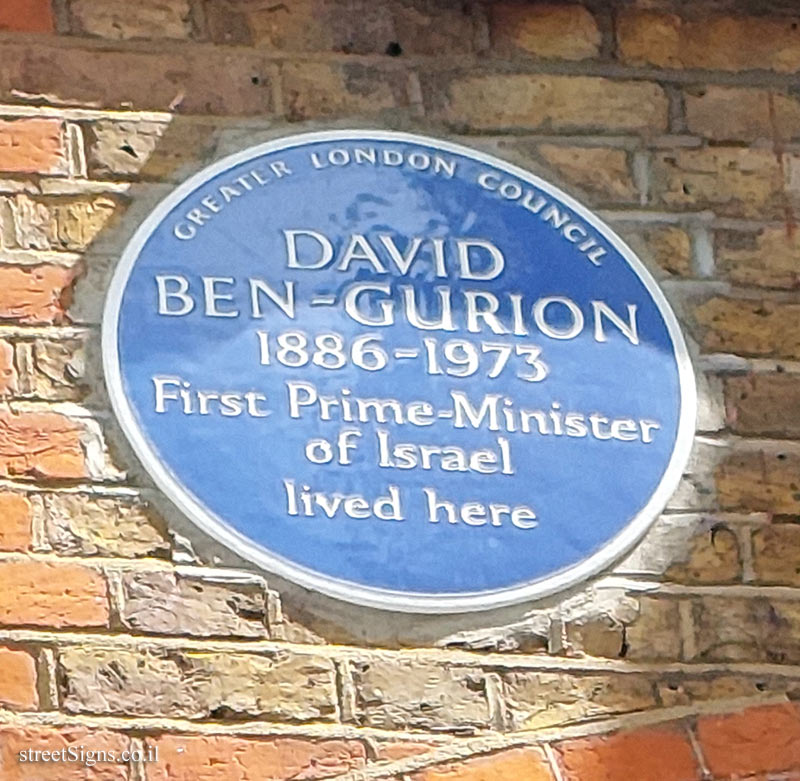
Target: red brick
{"points": [[40, 444], [391, 752], [13, 740], [659, 754], [32, 146], [223, 758], [35, 294], [15, 522], [26, 16], [529, 764], [17, 680], [757, 740], [8, 372], [38, 593]]}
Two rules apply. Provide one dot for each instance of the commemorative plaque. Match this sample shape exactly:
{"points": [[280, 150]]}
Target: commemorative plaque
{"points": [[398, 371]]}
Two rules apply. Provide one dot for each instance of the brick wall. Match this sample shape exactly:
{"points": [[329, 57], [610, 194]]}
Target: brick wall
{"points": [[121, 627]]}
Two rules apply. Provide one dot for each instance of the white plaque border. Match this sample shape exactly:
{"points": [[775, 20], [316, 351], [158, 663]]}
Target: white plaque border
{"points": [[348, 591]]}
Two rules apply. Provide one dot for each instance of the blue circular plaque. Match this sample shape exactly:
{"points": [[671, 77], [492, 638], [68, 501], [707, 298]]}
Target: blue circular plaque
{"points": [[398, 371]]}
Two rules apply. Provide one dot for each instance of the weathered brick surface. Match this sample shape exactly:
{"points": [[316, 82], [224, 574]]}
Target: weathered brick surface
{"points": [[654, 634], [306, 25], [678, 689], [117, 19], [83, 524], [521, 763], [396, 694], [662, 247], [282, 686], [26, 16], [717, 42], [38, 593], [565, 32], [15, 522], [193, 82], [695, 492], [649, 632], [228, 758], [756, 629], [596, 174], [40, 444], [759, 481], [52, 369], [551, 103], [65, 223], [695, 547], [764, 405], [430, 28], [15, 739], [742, 113], [322, 90], [761, 740], [161, 603], [35, 294], [537, 700], [17, 680], [733, 181], [8, 371], [34, 146], [776, 554], [658, 754], [713, 556], [147, 150], [767, 258], [752, 326], [364, 28], [604, 637]]}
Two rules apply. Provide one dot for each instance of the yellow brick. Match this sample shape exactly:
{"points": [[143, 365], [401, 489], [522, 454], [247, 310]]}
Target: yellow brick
{"points": [[755, 327], [714, 42], [746, 113], [566, 32], [494, 102], [733, 181]]}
